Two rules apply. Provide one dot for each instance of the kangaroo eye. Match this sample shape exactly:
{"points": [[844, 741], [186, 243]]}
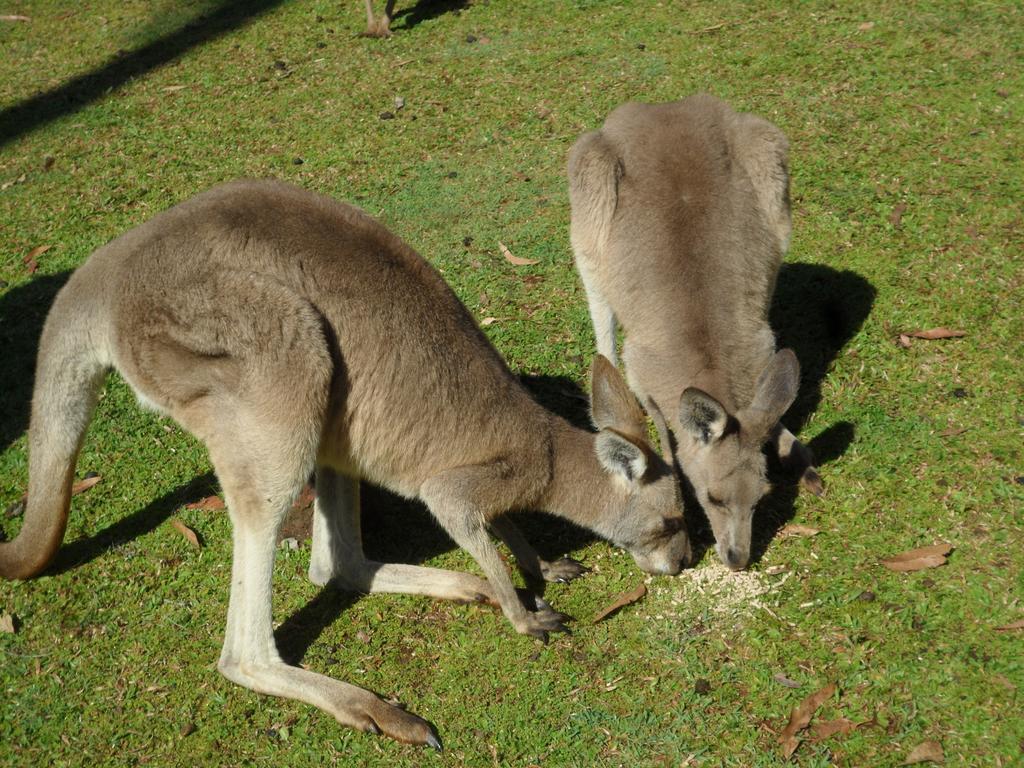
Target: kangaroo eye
{"points": [[716, 501]]}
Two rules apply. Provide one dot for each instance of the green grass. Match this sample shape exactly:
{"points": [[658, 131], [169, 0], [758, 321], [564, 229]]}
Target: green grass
{"points": [[116, 646]]}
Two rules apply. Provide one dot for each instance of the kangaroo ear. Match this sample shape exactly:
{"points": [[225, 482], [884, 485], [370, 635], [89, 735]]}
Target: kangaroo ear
{"points": [[701, 416], [775, 391], [612, 405], [618, 454]]}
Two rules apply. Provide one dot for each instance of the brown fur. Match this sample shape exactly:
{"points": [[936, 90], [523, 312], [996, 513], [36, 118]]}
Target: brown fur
{"points": [[290, 333], [680, 219]]}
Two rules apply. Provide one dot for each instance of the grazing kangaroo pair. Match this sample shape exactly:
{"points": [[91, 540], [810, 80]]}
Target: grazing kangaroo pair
{"points": [[680, 219], [294, 334]]}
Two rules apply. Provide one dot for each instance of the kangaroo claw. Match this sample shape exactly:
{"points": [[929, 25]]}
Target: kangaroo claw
{"points": [[434, 743]]}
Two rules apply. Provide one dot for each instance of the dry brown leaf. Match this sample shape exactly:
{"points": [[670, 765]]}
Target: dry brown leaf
{"points": [[932, 334], [897, 214], [952, 431], [14, 17], [7, 623], [35, 253], [209, 503], [626, 598], [800, 717], [919, 559], [829, 728], [84, 485], [29, 259], [173, 88], [904, 341], [926, 752], [488, 321], [795, 529], [512, 259], [1011, 627], [865, 26], [187, 532]]}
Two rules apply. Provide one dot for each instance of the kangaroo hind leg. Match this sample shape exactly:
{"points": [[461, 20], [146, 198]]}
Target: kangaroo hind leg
{"points": [[250, 374]]}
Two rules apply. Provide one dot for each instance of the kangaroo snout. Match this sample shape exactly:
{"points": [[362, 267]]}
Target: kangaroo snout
{"points": [[735, 559]]}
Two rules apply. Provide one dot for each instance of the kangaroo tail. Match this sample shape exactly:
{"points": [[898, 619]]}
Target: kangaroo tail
{"points": [[69, 372]]}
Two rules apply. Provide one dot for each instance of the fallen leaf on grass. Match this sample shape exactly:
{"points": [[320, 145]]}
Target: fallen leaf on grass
{"points": [[952, 431], [829, 728], [7, 623], [173, 88], [209, 503], [865, 26], [1011, 627], [919, 559], [926, 752], [795, 529], [187, 532], [84, 485], [14, 17], [626, 598], [488, 321], [18, 507], [904, 341], [932, 334], [801, 717], [29, 259], [512, 259]]}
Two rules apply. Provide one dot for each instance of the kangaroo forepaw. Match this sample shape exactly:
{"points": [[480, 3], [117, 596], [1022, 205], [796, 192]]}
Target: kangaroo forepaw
{"points": [[541, 619], [562, 570]]}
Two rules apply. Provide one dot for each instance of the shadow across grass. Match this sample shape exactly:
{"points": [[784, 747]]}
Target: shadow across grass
{"points": [[815, 312], [425, 10], [80, 91], [22, 314], [84, 550]]}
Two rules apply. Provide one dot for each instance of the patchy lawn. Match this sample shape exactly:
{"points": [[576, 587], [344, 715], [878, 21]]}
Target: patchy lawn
{"points": [[905, 124]]}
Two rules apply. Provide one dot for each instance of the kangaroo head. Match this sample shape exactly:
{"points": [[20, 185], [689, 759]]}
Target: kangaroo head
{"points": [[721, 453], [646, 509]]}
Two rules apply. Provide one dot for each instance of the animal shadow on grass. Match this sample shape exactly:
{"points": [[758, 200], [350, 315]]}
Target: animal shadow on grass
{"points": [[816, 310], [22, 314], [425, 10]]}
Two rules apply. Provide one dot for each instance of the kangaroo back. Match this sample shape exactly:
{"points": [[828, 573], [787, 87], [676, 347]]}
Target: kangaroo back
{"points": [[680, 219]]}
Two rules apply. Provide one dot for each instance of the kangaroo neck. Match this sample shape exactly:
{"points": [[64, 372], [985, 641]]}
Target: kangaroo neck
{"points": [[580, 487]]}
